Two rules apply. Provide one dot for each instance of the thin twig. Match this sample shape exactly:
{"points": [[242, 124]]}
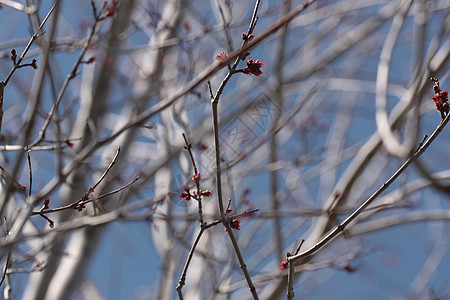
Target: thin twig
{"points": [[225, 220], [299, 246], [210, 89], [182, 280], [70, 76], [203, 225], [116, 190], [240, 215], [31, 41], [32, 112], [31, 173], [188, 147], [111, 164], [339, 228], [51, 223], [291, 274], [16, 65], [254, 19], [85, 199], [83, 202], [421, 142]]}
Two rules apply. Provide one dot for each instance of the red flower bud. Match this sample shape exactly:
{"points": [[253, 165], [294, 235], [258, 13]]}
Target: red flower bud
{"points": [[206, 193], [196, 178], [47, 203], [283, 265]]}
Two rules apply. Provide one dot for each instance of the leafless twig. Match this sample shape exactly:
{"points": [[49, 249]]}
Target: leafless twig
{"points": [[16, 64], [339, 228]]}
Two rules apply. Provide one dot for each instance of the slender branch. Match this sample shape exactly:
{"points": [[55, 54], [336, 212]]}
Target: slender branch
{"points": [[225, 221], [214, 104], [70, 76], [182, 281], [123, 213], [30, 172], [196, 179], [51, 223], [98, 18], [243, 214], [291, 274], [83, 202], [339, 228], [116, 190], [254, 19], [111, 164], [204, 226], [31, 41], [188, 147], [17, 65], [31, 113], [85, 199], [217, 152], [299, 246]]}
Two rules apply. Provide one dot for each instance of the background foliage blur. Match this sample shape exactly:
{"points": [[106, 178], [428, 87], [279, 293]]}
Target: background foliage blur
{"points": [[299, 142]]}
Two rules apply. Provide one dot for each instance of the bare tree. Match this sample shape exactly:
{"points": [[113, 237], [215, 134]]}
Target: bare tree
{"points": [[262, 143]]}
